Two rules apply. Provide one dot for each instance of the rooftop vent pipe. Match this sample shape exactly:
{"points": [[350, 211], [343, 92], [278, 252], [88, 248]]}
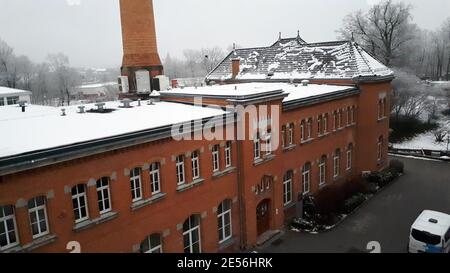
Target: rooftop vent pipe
{"points": [[63, 112], [100, 106], [305, 82], [126, 103], [81, 108]]}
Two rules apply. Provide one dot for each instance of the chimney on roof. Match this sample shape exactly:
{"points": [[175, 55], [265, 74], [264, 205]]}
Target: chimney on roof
{"points": [[279, 36], [235, 67]]}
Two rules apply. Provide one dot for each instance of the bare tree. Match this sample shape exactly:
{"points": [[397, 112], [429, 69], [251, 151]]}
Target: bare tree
{"points": [[383, 30], [66, 78], [6, 60], [192, 61], [211, 58]]}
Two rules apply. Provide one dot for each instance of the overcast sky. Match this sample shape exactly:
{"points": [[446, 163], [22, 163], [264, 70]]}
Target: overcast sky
{"points": [[88, 31]]}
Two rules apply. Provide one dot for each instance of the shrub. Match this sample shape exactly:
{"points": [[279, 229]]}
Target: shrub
{"points": [[302, 224], [397, 165], [353, 202], [329, 199], [408, 127]]}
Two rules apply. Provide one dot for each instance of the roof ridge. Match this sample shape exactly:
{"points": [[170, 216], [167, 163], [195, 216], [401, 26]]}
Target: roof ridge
{"points": [[356, 46]]}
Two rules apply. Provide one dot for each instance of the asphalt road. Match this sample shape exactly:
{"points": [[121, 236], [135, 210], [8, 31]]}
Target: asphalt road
{"points": [[385, 218]]}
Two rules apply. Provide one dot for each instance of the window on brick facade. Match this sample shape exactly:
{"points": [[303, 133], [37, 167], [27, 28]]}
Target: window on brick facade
{"points": [[349, 156], [155, 178], [79, 203], [319, 126], [290, 136], [287, 187], [215, 158], [335, 120], [257, 147], [195, 160], [103, 195], [309, 128], [323, 170], [180, 170], [8, 228], [37, 212], [152, 244], [283, 136], [224, 221], [380, 148], [136, 184], [192, 235], [325, 123], [228, 154], [336, 163], [306, 177]]}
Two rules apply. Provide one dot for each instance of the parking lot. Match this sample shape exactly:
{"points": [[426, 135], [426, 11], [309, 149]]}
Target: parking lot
{"points": [[386, 218]]}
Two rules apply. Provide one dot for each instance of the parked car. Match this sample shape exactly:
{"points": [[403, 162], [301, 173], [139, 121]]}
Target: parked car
{"points": [[430, 233]]}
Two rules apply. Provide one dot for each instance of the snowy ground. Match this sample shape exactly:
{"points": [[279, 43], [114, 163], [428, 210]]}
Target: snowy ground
{"points": [[427, 141]]}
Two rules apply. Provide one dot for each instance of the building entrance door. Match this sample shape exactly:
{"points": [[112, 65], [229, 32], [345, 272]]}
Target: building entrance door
{"points": [[263, 216]]}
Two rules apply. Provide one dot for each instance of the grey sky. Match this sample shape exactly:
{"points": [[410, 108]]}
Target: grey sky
{"points": [[88, 31]]}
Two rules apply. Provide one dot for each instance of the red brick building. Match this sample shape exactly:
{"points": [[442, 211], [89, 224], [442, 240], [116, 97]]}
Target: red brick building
{"points": [[113, 178]]}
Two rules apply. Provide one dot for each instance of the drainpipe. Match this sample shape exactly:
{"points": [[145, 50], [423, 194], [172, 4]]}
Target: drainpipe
{"points": [[241, 189]]}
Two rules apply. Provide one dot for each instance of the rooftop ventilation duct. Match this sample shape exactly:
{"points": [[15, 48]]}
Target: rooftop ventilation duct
{"points": [[63, 112], [100, 106], [305, 82], [126, 103], [81, 109], [155, 96]]}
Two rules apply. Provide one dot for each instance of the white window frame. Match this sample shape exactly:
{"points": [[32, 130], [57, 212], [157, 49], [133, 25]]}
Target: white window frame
{"points": [[353, 114], [154, 249], [222, 229], [78, 197], [287, 189], [283, 136], [309, 128], [105, 199], [195, 160], [216, 158], [136, 184], [336, 164], [228, 154], [35, 210], [349, 158], [181, 178], [302, 131], [325, 123], [380, 149], [3, 221], [189, 232], [257, 148], [335, 120], [155, 178], [306, 179], [322, 171], [291, 134], [268, 143], [319, 125]]}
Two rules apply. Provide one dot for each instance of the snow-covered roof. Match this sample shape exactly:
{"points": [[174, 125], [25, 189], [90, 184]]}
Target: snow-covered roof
{"points": [[294, 91], [43, 127], [423, 223], [6, 91], [293, 59]]}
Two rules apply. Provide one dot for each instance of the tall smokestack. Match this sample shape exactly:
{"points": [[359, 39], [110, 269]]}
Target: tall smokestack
{"points": [[141, 62]]}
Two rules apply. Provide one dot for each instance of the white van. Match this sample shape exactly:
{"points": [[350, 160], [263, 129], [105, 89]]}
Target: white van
{"points": [[430, 233]]}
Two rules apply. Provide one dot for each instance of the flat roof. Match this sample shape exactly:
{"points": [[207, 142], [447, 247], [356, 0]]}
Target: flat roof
{"points": [[43, 127], [12, 91], [422, 223], [294, 91]]}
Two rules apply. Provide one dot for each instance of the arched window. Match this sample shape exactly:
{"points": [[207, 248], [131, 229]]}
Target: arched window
{"points": [[302, 131], [290, 135], [309, 128], [306, 177], [380, 148], [336, 163], [335, 120], [37, 212], [319, 125], [191, 235], [323, 170], [152, 244], [287, 187], [325, 123], [136, 184], [224, 221], [103, 195], [283, 136], [195, 160], [79, 202], [349, 156]]}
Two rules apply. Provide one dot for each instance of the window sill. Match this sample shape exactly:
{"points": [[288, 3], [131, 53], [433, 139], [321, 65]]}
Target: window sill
{"points": [[185, 187], [322, 185], [382, 119], [90, 223], [143, 203], [36, 243], [306, 141], [224, 172], [289, 205], [226, 244], [324, 135], [263, 160], [351, 125], [289, 148]]}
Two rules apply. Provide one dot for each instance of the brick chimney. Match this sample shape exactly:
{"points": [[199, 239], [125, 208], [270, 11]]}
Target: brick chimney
{"points": [[139, 43], [235, 67]]}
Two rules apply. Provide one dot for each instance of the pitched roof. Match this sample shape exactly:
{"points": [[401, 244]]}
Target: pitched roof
{"points": [[294, 59]]}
